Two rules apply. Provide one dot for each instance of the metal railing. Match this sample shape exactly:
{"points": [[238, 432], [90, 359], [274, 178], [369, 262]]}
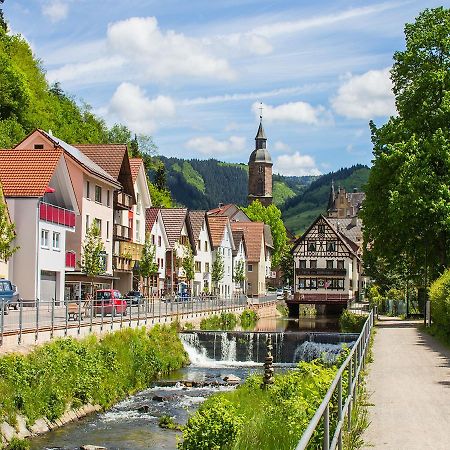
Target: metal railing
{"points": [[351, 368], [49, 318]]}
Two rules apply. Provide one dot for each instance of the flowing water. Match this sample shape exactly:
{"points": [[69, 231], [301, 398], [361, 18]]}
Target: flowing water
{"points": [[133, 423]]}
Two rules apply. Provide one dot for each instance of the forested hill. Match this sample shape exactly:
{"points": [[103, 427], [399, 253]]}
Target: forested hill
{"points": [[301, 210], [203, 184]]}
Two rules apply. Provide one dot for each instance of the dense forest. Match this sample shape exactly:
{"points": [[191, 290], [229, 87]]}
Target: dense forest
{"points": [[203, 184]]}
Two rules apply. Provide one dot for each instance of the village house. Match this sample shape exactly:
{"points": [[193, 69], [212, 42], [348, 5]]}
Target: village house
{"points": [[94, 192], [233, 212], [239, 261], [43, 206]]}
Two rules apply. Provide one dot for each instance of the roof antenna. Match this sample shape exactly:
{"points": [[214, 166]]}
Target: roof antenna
{"points": [[260, 111]]}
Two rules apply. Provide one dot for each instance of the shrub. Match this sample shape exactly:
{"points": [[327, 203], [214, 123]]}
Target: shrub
{"points": [[18, 444], [351, 323], [248, 319], [226, 321], [440, 304]]}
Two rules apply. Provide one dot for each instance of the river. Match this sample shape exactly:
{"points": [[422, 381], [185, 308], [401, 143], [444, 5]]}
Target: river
{"points": [[133, 423]]}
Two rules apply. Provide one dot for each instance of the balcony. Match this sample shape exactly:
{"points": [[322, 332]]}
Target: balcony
{"points": [[122, 263], [129, 248], [57, 215], [70, 261], [122, 200], [122, 232], [322, 272]]}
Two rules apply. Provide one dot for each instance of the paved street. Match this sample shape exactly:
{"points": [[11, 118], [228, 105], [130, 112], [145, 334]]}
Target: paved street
{"points": [[409, 384]]}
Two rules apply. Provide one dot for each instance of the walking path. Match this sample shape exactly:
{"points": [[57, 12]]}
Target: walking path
{"points": [[409, 387]]}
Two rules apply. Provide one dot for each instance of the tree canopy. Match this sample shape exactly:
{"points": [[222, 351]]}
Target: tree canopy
{"points": [[407, 208], [92, 262]]}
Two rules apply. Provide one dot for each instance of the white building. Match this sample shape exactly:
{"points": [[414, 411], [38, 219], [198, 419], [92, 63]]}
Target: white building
{"points": [[239, 261]]}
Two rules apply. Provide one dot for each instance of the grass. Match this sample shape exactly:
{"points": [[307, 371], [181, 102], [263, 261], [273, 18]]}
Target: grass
{"points": [[67, 373]]}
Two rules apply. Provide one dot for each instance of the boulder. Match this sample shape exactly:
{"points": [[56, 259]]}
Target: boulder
{"points": [[7, 431], [231, 379], [158, 398], [92, 447], [21, 426], [144, 409], [39, 427]]}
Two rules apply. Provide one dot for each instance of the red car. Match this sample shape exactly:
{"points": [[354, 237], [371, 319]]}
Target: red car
{"points": [[109, 301]]}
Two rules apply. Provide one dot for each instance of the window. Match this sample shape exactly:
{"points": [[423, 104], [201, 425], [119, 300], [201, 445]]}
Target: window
{"points": [[207, 267], [138, 204], [311, 246], [331, 246], [107, 229], [330, 263], [138, 231], [302, 264], [340, 264], [198, 266], [88, 189], [206, 246], [44, 238], [199, 245], [98, 222], [87, 222], [104, 258], [313, 264], [301, 283], [56, 237], [108, 198], [260, 169], [250, 267], [321, 229], [38, 146], [153, 239], [159, 241], [183, 240], [98, 194]]}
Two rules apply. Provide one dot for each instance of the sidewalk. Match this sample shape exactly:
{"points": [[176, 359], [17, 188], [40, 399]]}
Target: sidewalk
{"points": [[409, 386]]}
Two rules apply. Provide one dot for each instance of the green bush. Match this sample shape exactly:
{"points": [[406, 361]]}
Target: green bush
{"points": [[248, 319], [351, 323], [226, 321], [440, 304], [68, 372], [18, 444]]}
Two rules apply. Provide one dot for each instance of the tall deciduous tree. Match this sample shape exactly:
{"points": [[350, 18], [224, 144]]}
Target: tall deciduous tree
{"points": [[147, 264], [92, 254], [271, 216], [407, 208], [218, 269], [7, 234], [3, 23], [187, 264]]}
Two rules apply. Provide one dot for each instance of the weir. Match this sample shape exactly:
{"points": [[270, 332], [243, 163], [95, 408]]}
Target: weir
{"points": [[212, 348]]}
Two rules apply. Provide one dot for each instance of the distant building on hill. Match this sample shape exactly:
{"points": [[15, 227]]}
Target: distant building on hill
{"points": [[343, 204]]}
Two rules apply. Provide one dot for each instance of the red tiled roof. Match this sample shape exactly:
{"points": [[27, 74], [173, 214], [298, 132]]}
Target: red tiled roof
{"points": [[254, 238], [173, 219], [135, 165], [196, 218], [27, 173], [150, 217], [217, 226], [220, 210], [108, 156]]}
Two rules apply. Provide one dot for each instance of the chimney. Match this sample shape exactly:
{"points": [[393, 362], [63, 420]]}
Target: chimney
{"points": [[220, 205]]}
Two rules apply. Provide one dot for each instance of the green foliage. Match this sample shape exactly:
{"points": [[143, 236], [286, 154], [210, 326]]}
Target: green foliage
{"points": [[226, 321], [7, 233], [250, 417], [68, 372], [271, 216], [160, 198], [218, 269], [407, 208], [281, 192], [92, 262], [440, 304], [248, 319], [18, 444], [287, 264], [147, 264], [283, 309], [188, 263], [351, 323], [239, 272], [167, 422]]}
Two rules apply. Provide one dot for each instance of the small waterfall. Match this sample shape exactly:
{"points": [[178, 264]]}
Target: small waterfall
{"points": [[228, 347], [250, 347], [307, 351], [257, 346], [279, 347]]}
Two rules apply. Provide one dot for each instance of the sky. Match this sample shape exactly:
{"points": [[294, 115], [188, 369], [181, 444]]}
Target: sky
{"points": [[195, 74]]}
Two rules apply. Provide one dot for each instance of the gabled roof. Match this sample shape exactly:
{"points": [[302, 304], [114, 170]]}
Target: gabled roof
{"points": [[238, 236], [174, 219], [196, 219], [135, 165], [217, 226], [351, 228], [254, 238], [84, 160], [150, 218], [229, 210], [27, 173]]}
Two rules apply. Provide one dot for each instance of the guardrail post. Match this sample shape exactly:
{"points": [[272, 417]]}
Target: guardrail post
{"points": [[349, 393], [91, 314], [2, 321], [67, 318], [20, 321], [36, 335], [326, 428], [53, 318], [340, 411], [79, 317]]}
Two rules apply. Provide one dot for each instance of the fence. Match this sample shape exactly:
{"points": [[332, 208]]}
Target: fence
{"points": [[75, 316], [351, 368]]}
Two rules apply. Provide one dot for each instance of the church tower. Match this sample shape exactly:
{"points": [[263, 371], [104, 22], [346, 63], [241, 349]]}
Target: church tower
{"points": [[260, 170]]}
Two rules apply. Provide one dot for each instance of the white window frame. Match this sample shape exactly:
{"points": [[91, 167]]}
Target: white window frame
{"points": [[44, 238], [56, 238], [98, 189]]}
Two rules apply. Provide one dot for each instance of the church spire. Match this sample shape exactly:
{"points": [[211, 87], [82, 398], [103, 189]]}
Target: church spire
{"points": [[331, 198]]}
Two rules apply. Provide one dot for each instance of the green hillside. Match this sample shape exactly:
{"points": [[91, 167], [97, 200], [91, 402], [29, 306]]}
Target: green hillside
{"points": [[200, 184], [301, 210]]}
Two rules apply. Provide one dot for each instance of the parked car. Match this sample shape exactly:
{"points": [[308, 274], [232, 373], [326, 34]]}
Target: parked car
{"points": [[280, 294], [134, 298], [109, 301], [9, 296]]}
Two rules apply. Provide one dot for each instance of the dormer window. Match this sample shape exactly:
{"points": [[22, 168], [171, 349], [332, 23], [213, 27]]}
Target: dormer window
{"points": [[39, 146]]}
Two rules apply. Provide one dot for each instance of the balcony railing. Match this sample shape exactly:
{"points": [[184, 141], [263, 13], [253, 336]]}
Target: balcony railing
{"points": [[70, 260], [121, 263], [122, 200], [321, 272], [55, 214], [122, 232]]}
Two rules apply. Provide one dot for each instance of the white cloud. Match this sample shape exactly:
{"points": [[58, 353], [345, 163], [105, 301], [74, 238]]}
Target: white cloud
{"points": [[365, 96], [295, 165], [298, 112], [55, 10], [281, 146], [132, 107], [209, 146]]}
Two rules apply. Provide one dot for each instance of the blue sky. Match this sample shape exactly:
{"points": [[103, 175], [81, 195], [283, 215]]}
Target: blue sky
{"points": [[193, 73]]}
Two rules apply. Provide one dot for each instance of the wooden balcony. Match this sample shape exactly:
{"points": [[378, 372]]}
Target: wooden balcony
{"points": [[321, 272], [130, 249], [122, 233], [122, 200]]}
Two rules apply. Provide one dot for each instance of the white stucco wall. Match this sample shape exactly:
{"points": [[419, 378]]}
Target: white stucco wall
{"points": [[204, 256]]}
